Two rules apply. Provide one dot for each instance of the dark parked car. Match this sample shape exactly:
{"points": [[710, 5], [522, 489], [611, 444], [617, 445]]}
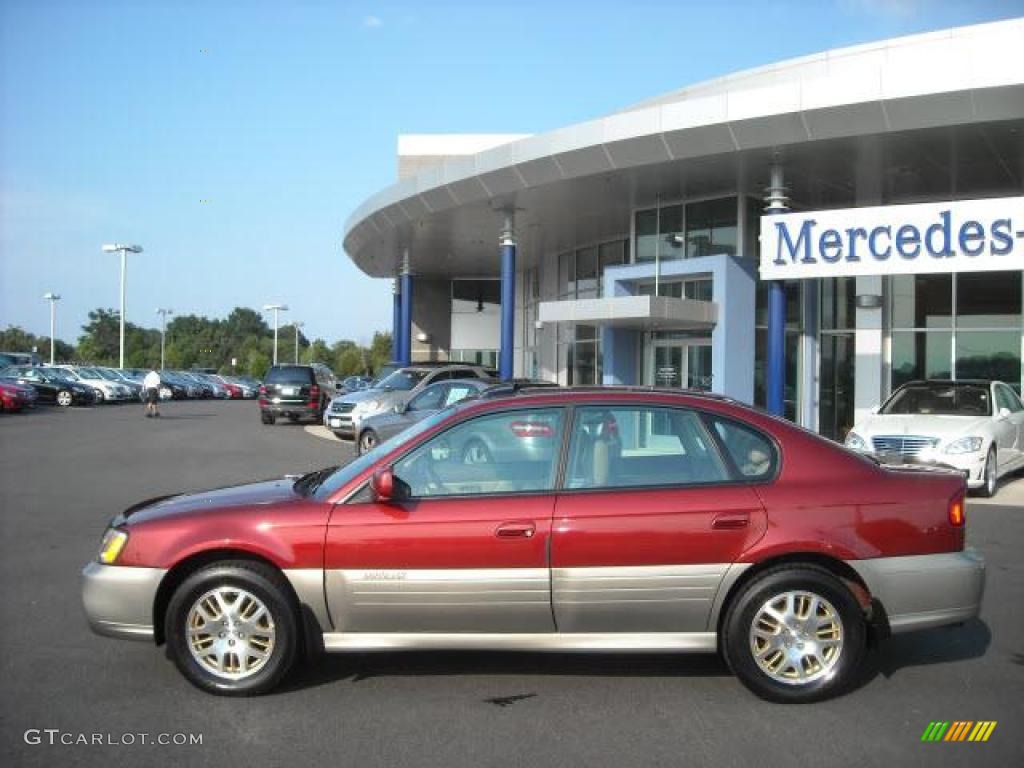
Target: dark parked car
{"points": [[621, 520], [50, 386], [297, 392]]}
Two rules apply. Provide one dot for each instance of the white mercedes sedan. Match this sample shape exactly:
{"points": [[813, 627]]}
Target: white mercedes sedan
{"points": [[974, 426]]}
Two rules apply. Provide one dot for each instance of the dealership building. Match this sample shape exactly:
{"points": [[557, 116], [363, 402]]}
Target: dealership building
{"points": [[805, 236]]}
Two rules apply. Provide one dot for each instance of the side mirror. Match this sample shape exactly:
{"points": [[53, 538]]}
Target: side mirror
{"points": [[383, 484], [1004, 413]]}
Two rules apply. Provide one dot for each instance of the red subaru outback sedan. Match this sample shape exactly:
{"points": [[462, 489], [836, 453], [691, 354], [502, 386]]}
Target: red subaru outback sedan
{"points": [[553, 520]]}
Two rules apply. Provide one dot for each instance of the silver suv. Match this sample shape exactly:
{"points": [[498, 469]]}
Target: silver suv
{"points": [[346, 413]]}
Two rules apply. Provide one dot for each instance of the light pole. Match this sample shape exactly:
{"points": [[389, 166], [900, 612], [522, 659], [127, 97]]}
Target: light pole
{"points": [[163, 331], [297, 325], [276, 309], [124, 250], [53, 298]]}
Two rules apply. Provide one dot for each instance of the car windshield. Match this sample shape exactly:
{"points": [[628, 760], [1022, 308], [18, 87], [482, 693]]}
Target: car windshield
{"points": [[402, 380], [108, 375], [327, 485], [940, 399]]}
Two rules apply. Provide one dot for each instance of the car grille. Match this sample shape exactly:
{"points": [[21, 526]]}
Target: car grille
{"points": [[903, 445], [342, 407]]}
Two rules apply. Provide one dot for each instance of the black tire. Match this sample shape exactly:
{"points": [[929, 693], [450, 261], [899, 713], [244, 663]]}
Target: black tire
{"points": [[476, 452], [367, 442], [259, 580], [990, 475], [267, 418], [737, 645]]}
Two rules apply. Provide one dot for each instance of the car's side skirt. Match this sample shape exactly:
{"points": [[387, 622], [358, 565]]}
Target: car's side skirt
{"points": [[624, 642]]}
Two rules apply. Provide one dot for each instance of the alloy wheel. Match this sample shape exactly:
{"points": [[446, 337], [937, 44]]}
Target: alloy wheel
{"points": [[796, 637], [64, 398], [230, 633], [367, 442]]}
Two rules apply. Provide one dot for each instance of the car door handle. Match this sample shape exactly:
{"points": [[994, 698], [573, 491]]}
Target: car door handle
{"points": [[731, 520], [515, 531]]}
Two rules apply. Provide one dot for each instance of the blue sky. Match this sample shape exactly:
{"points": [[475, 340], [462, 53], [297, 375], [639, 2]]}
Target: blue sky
{"points": [[118, 118]]}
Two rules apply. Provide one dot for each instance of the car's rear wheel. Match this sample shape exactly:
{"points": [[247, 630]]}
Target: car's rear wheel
{"points": [[231, 628], [64, 398], [794, 634], [991, 475], [367, 442], [267, 418]]}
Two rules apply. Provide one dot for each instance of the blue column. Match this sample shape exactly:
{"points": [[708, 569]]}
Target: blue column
{"points": [[405, 320], [775, 367], [508, 306], [396, 322]]}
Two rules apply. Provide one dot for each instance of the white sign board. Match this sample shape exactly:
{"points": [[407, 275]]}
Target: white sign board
{"points": [[962, 236]]}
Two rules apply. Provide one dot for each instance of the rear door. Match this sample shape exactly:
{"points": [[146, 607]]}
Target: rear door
{"points": [[289, 384], [651, 516], [466, 551]]}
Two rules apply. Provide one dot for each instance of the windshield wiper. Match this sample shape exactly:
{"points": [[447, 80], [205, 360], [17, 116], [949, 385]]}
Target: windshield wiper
{"points": [[308, 483]]}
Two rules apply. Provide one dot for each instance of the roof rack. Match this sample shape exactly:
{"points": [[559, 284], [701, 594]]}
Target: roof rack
{"points": [[523, 386]]}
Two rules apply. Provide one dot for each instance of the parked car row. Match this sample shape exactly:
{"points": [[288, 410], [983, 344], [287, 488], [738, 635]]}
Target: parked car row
{"points": [[23, 385]]}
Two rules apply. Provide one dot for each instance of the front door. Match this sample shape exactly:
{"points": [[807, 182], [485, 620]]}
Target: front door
{"points": [[466, 550], [680, 363]]}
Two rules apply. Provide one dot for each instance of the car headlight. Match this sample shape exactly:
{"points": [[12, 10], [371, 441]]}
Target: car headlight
{"points": [[855, 442], [964, 445], [110, 547], [367, 405]]}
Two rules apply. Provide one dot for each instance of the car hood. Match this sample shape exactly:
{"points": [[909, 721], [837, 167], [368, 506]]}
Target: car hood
{"points": [[387, 395], [945, 428], [251, 494]]}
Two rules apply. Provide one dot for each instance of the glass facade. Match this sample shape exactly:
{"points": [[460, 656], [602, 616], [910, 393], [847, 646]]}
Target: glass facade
{"points": [[684, 231], [584, 356], [963, 326], [837, 323]]}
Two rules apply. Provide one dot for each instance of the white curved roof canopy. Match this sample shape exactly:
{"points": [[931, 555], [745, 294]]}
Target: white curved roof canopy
{"points": [[577, 183]]}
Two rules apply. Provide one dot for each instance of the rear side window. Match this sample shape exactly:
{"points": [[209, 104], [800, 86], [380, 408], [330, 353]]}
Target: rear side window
{"points": [[290, 374], [632, 447], [753, 454]]}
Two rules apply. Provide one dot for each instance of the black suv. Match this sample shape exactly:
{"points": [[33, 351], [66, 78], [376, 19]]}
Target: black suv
{"points": [[296, 391]]}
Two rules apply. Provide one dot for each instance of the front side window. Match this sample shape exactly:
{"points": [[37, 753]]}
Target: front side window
{"points": [[636, 446], [751, 452], [429, 399], [510, 452]]}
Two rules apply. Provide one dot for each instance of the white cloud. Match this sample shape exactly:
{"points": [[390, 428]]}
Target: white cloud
{"points": [[373, 21]]}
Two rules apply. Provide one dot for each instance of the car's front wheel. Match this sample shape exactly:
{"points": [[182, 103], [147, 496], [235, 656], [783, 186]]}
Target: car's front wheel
{"points": [[367, 442], [64, 398], [795, 634], [990, 475], [231, 628]]}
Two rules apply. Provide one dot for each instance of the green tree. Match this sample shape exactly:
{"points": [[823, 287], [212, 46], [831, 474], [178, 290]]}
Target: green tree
{"points": [[380, 350], [257, 363], [100, 339]]}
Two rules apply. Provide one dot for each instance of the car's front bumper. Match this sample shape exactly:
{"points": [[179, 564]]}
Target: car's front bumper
{"points": [[925, 591], [118, 600]]}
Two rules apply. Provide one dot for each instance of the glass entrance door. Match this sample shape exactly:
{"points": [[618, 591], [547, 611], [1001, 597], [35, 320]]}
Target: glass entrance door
{"points": [[679, 363]]}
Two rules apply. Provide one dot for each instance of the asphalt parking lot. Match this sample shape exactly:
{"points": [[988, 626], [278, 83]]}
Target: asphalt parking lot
{"points": [[63, 474]]}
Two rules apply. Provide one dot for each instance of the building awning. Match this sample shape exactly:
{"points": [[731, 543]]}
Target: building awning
{"points": [[661, 313]]}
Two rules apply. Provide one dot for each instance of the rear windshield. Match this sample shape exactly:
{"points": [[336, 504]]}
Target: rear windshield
{"points": [[940, 399], [290, 374]]}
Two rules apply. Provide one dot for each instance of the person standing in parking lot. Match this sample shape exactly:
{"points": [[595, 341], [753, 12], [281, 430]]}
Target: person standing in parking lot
{"points": [[151, 386]]}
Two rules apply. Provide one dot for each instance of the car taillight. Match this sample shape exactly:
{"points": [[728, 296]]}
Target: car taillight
{"points": [[263, 391], [314, 392], [531, 429], [956, 510]]}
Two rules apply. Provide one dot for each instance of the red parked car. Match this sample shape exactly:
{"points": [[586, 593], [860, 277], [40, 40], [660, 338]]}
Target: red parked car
{"points": [[553, 520], [15, 397]]}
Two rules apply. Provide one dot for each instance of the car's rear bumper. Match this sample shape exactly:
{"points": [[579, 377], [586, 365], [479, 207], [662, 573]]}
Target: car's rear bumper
{"points": [[925, 591], [118, 600], [291, 409]]}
